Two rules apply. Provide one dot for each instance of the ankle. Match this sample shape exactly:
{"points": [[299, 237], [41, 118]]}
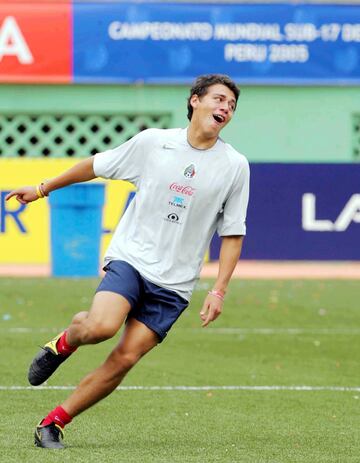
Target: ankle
{"points": [[58, 416], [63, 347]]}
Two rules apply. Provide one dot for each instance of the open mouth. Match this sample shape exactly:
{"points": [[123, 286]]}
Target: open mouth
{"points": [[219, 118]]}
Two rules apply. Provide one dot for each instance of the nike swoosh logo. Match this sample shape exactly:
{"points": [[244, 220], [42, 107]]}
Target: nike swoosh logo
{"points": [[168, 147]]}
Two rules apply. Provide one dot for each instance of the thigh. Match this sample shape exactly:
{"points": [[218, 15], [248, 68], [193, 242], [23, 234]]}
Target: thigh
{"points": [[108, 310], [137, 339], [118, 291]]}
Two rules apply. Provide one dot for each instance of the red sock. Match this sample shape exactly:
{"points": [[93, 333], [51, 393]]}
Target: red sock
{"points": [[58, 416], [63, 347]]}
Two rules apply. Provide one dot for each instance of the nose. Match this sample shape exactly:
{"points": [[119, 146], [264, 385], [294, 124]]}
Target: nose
{"points": [[224, 108]]}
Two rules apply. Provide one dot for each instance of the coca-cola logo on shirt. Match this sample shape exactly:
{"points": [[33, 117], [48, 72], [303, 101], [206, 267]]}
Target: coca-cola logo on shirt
{"points": [[185, 190]]}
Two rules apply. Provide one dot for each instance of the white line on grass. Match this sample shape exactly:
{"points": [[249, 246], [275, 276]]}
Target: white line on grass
{"points": [[194, 388], [234, 330], [24, 330], [291, 331]]}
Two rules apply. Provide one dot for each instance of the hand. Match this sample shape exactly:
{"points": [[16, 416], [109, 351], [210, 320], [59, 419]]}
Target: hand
{"points": [[211, 309], [24, 195]]}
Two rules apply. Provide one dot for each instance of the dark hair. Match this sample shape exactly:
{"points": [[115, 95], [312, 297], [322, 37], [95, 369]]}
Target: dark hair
{"points": [[202, 83]]}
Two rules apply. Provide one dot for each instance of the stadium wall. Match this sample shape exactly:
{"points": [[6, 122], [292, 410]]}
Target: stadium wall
{"points": [[272, 124]]}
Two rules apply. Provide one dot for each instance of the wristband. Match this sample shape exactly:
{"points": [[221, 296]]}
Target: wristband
{"points": [[41, 188], [219, 294], [39, 192]]}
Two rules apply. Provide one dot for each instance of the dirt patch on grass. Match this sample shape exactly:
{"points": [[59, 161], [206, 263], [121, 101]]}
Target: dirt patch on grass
{"points": [[290, 270], [245, 269]]}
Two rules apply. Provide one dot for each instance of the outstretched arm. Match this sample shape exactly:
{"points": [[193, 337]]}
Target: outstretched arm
{"points": [[229, 255], [81, 172]]}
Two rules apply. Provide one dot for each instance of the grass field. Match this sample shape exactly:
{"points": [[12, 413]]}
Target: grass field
{"points": [[272, 333]]}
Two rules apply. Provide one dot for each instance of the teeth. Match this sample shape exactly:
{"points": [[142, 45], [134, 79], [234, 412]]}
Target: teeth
{"points": [[219, 118]]}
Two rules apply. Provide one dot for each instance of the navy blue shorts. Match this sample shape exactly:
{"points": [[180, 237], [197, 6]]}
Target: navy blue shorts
{"points": [[158, 308]]}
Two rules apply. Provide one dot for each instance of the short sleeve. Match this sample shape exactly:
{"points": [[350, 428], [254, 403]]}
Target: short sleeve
{"points": [[124, 162], [232, 221]]}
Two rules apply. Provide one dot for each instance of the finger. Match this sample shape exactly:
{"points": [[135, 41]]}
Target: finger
{"points": [[208, 319], [213, 314], [204, 311], [10, 195], [21, 201], [206, 322], [202, 316]]}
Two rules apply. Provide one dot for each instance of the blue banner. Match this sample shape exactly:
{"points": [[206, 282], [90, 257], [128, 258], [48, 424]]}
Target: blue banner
{"points": [[257, 44], [302, 212]]}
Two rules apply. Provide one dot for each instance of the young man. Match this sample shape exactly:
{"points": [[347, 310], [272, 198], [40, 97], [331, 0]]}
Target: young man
{"points": [[189, 183]]}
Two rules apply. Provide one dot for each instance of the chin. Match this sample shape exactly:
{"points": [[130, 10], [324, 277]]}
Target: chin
{"points": [[212, 127], [215, 130]]}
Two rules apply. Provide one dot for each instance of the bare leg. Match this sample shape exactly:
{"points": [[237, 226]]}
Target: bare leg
{"points": [[107, 314], [136, 341], [103, 321]]}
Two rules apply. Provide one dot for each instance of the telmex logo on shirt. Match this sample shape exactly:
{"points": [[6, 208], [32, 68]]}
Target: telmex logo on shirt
{"points": [[177, 201], [185, 190]]}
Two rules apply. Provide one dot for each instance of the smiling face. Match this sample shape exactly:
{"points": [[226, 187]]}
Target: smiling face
{"points": [[214, 110]]}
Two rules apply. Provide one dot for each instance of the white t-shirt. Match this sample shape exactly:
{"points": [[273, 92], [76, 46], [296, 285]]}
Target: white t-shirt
{"points": [[183, 196]]}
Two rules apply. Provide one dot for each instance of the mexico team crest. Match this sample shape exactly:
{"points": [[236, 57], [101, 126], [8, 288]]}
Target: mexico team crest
{"points": [[189, 172]]}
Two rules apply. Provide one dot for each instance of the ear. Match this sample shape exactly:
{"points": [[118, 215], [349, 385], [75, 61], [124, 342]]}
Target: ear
{"points": [[194, 101]]}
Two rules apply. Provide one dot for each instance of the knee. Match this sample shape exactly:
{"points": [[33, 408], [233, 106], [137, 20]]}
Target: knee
{"points": [[95, 332], [124, 361], [80, 317]]}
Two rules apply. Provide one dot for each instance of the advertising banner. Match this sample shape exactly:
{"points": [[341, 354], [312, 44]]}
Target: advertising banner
{"points": [[25, 229], [131, 42], [296, 212], [254, 43], [302, 211], [35, 42]]}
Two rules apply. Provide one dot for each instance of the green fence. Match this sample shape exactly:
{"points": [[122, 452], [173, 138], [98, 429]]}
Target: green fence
{"points": [[77, 135], [285, 124]]}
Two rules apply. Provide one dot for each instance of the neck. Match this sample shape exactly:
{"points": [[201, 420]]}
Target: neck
{"points": [[198, 139]]}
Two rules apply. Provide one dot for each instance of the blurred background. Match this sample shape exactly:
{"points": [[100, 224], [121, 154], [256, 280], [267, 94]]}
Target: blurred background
{"points": [[79, 77]]}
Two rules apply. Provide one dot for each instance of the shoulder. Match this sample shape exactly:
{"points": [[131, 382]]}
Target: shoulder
{"points": [[234, 157], [151, 139], [158, 134]]}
